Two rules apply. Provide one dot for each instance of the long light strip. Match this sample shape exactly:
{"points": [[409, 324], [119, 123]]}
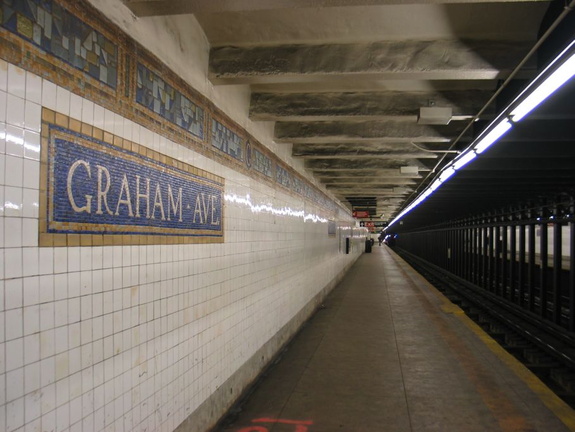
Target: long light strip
{"points": [[463, 160], [489, 139], [446, 173], [503, 123], [563, 74]]}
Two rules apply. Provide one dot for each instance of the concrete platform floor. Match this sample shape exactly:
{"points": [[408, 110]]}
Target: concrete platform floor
{"points": [[390, 353]]}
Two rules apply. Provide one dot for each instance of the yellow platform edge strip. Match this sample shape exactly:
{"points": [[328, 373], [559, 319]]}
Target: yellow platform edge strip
{"points": [[563, 411]]}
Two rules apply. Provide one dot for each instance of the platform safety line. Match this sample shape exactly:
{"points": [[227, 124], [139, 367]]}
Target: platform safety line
{"points": [[555, 404]]}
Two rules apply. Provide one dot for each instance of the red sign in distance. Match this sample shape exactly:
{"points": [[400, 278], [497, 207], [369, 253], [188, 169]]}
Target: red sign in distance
{"points": [[360, 214]]}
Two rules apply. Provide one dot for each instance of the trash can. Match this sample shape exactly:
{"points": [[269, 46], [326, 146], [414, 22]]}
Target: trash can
{"points": [[368, 245]]}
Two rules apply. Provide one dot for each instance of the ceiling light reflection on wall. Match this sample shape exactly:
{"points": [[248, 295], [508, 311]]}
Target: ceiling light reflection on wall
{"points": [[269, 208]]}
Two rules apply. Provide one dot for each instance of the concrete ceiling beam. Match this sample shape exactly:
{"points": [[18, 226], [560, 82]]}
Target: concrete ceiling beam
{"points": [[362, 150], [363, 105], [146, 8], [431, 60], [361, 165], [378, 131], [376, 193], [358, 177], [384, 183], [348, 155], [375, 183]]}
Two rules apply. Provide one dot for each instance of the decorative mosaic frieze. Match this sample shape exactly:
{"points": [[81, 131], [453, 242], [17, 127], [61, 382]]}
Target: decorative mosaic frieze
{"points": [[107, 186], [283, 177], [163, 99], [262, 163], [55, 30], [70, 43], [226, 140], [298, 186]]}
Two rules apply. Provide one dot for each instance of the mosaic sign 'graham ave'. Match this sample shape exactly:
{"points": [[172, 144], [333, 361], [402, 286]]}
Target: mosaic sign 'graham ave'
{"points": [[99, 188]]}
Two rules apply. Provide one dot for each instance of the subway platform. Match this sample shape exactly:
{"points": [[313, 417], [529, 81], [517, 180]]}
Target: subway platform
{"points": [[389, 353]]}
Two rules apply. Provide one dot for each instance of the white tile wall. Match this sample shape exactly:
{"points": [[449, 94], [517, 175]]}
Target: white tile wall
{"points": [[116, 338]]}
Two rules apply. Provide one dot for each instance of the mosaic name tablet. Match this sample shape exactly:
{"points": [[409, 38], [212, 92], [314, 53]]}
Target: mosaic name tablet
{"points": [[94, 187]]}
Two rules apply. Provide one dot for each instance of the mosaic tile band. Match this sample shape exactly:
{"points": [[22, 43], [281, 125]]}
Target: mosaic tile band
{"points": [[55, 30], [155, 94], [76, 47]]}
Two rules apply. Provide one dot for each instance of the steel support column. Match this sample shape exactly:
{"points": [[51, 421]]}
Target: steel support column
{"points": [[497, 259], [512, 262], [505, 291], [557, 257], [521, 282], [531, 266], [543, 270]]}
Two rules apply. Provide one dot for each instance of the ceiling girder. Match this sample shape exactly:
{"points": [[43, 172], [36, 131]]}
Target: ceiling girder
{"points": [[358, 154], [431, 60], [368, 130], [363, 105], [366, 173], [362, 165], [146, 8], [370, 182]]}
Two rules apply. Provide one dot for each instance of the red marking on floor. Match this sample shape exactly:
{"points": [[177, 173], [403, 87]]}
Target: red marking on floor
{"points": [[300, 425]]}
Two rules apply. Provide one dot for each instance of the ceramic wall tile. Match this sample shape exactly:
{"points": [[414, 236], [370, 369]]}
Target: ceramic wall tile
{"points": [[3, 105], [3, 75], [33, 88], [14, 140], [15, 110], [81, 307], [16, 81]]}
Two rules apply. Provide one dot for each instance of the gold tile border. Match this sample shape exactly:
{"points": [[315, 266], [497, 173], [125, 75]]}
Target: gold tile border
{"points": [[46, 239]]}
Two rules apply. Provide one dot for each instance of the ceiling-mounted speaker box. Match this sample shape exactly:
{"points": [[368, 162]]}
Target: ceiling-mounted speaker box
{"points": [[409, 170], [434, 115]]}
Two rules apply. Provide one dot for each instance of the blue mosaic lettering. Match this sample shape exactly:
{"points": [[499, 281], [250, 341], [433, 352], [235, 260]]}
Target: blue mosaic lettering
{"points": [[93, 190]]}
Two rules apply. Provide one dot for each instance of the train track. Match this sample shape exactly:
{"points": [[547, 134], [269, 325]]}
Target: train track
{"points": [[545, 348]]}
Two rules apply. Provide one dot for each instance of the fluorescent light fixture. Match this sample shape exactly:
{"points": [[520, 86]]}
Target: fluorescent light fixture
{"points": [[545, 89], [435, 185], [531, 97], [446, 173], [496, 133], [464, 160]]}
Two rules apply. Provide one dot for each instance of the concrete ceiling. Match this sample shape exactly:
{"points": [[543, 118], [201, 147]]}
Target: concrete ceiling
{"points": [[344, 80]]}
